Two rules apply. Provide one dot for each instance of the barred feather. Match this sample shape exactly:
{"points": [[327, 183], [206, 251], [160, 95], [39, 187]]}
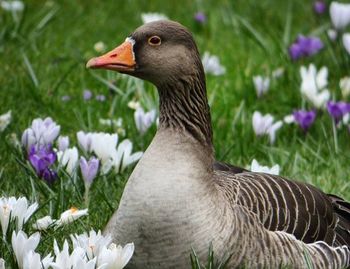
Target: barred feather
{"points": [[292, 210]]}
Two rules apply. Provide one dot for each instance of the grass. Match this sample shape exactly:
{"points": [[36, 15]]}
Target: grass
{"points": [[43, 54], [211, 263]]}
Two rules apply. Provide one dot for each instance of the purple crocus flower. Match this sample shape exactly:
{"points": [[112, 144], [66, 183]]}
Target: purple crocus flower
{"points": [[320, 7], [304, 118], [338, 109], [41, 159], [87, 94], [49, 175], [304, 47], [89, 169], [200, 17], [100, 97]]}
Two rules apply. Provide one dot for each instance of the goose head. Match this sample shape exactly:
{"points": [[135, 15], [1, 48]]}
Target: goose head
{"points": [[160, 52], [165, 54]]}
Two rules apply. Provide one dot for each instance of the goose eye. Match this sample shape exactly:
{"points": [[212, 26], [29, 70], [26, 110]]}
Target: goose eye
{"points": [[154, 41]]}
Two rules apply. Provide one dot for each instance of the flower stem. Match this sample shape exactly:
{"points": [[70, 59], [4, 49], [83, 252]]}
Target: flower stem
{"points": [[86, 196], [335, 137]]}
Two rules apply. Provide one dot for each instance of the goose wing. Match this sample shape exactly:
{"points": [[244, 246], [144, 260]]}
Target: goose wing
{"points": [[293, 207], [220, 166]]}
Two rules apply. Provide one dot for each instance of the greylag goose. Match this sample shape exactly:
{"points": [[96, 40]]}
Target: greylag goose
{"points": [[178, 197]]}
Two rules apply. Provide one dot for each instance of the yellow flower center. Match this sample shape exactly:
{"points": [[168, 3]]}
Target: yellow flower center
{"points": [[73, 209], [6, 209]]}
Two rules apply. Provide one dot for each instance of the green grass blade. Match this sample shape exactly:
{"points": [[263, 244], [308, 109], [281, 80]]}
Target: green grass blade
{"points": [[107, 83], [256, 36], [287, 27], [30, 70]]}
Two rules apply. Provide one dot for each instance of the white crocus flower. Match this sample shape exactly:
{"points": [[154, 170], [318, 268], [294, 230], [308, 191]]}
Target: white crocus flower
{"points": [[46, 131], [332, 34], [71, 215], [14, 5], [16, 209], [264, 125], [346, 42], [134, 104], [261, 85], [344, 85], [81, 263], [256, 167], [144, 120], [42, 132], [107, 166], [117, 125], [5, 120], [313, 85], [76, 260], [63, 259], [47, 261], [340, 14], [32, 260], [28, 138], [345, 120], [92, 243], [6, 207], [84, 141], [2, 263], [100, 47], [69, 159], [22, 212], [104, 145], [123, 156], [149, 17], [211, 65], [63, 143], [277, 73], [289, 119], [116, 257], [22, 244], [43, 223], [112, 122]]}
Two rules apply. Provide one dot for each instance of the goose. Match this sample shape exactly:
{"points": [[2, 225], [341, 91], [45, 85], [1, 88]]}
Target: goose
{"points": [[178, 197]]}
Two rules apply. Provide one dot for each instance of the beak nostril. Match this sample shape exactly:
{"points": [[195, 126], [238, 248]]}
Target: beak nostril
{"points": [[114, 55]]}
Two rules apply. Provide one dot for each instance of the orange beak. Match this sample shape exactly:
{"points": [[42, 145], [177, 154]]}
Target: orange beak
{"points": [[120, 59]]}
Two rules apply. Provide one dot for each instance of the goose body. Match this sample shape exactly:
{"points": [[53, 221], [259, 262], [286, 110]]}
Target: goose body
{"points": [[178, 197]]}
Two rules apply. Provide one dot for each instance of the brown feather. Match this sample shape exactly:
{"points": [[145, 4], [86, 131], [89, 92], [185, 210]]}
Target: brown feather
{"points": [[294, 207]]}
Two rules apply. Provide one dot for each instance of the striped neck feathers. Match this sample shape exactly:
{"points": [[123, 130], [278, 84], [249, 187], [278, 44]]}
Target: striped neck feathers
{"points": [[184, 107]]}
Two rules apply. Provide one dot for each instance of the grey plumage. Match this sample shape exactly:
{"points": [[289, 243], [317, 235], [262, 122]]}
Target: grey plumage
{"points": [[179, 197]]}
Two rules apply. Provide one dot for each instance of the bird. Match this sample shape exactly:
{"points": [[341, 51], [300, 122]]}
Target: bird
{"points": [[179, 198]]}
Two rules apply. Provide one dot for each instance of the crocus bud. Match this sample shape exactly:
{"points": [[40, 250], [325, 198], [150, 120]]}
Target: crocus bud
{"points": [[69, 159], [340, 15], [89, 169], [346, 41], [144, 120], [63, 143], [43, 223], [84, 140], [52, 131], [304, 118], [320, 7]]}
